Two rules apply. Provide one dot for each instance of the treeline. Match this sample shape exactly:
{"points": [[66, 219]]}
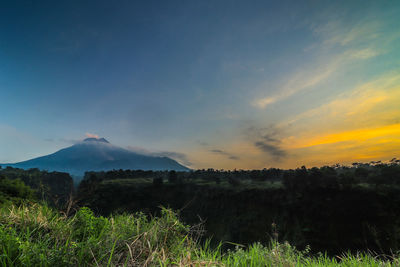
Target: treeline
{"points": [[374, 173], [332, 208], [55, 188], [344, 177], [14, 191]]}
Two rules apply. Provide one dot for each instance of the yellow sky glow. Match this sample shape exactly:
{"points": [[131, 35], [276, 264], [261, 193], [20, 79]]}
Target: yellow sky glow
{"points": [[357, 135], [361, 124]]}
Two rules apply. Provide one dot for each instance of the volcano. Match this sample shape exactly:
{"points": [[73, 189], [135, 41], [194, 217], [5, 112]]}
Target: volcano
{"points": [[97, 154]]}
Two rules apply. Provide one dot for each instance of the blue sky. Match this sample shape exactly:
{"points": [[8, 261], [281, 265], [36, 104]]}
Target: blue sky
{"points": [[222, 84]]}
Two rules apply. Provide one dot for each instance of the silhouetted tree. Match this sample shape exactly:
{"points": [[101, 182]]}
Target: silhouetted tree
{"points": [[172, 177], [157, 181]]}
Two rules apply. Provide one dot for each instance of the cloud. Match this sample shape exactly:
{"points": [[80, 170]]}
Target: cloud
{"points": [[270, 144], [336, 33], [362, 123], [217, 151], [178, 156], [267, 140], [263, 102], [69, 141], [89, 135], [272, 149], [365, 53], [357, 135], [314, 75], [369, 103], [224, 153], [351, 44], [202, 143], [298, 82]]}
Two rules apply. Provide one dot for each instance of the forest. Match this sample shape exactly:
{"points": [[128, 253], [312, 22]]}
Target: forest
{"points": [[329, 210]]}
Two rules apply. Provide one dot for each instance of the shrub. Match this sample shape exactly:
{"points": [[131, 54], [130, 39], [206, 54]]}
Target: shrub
{"points": [[14, 191]]}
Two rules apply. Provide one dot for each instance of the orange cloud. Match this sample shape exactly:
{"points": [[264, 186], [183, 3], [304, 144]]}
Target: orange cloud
{"points": [[358, 135], [362, 124], [92, 135]]}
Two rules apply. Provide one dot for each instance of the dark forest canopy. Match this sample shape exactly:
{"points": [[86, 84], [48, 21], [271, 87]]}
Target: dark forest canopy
{"points": [[332, 208], [373, 173], [53, 187]]}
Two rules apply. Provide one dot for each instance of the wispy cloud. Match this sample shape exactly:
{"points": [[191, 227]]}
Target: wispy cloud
{"points": [[369, 103], [315, 75], [69, 140], [271, 148], [360, 42], [267, 140], [298, 82], [224, 153], [365, 53], [335, 32], [357, 135], [362, 123], [178, 156]]}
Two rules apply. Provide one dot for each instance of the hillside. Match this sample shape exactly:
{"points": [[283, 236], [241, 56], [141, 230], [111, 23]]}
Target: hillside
{"points": [[97, 154]]}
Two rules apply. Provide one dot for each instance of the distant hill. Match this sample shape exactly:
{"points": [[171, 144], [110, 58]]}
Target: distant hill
{"points": [[97, 154]]}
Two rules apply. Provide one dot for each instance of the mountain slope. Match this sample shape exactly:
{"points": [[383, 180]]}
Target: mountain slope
{"points": [[94, 154]]}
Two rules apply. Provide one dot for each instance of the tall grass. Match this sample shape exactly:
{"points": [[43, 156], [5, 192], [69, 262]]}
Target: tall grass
{"points": [[36, 235]]}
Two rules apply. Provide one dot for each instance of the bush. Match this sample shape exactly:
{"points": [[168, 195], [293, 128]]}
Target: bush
{"points": [[15, 191], [85, 224]]}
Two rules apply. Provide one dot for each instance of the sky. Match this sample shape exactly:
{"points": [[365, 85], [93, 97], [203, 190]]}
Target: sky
{"points": [[212, 84]]}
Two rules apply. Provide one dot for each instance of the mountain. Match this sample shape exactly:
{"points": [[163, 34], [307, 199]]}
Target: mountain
{"points": [[97, 154]]}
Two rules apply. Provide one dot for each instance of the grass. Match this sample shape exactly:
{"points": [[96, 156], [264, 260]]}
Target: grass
{"points": [[36, 235]]}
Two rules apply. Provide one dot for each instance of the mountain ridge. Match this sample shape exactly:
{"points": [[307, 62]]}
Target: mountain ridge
{"points": [[97, 154]]}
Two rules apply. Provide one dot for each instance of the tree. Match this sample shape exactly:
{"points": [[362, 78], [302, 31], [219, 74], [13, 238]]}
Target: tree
{"points": [[172, 177]]}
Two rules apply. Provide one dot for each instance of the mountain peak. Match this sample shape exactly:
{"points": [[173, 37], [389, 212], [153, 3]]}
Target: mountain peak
{"points": [[93, 139], [97, 154]]}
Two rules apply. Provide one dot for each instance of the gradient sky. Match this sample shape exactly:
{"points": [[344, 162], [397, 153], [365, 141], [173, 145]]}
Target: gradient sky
{"points": [[213, 84]]}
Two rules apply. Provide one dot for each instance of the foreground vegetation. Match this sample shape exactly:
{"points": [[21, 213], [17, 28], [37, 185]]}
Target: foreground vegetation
{"points": [[53, 187], [331, 209], [36, 235], [323, 212]]}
